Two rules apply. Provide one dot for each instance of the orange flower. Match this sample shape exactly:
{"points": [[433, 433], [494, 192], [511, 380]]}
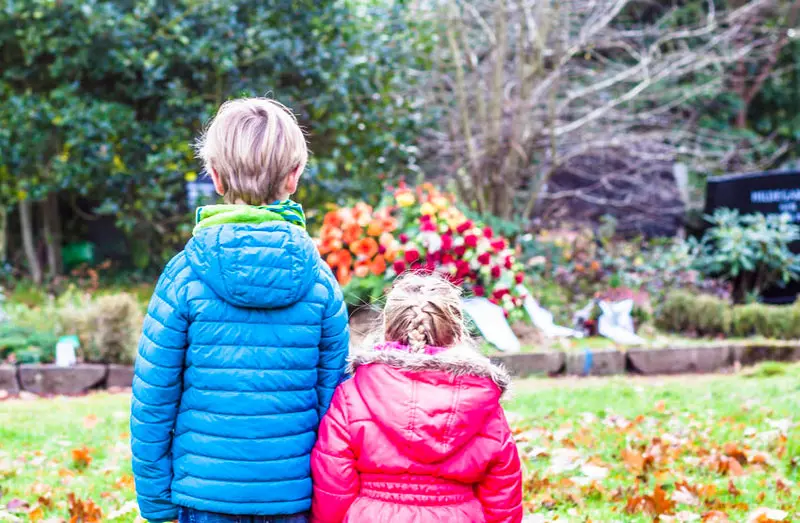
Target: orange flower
{"points": [[389, 224], [391, 253], [340, 258], [330, 231], [364, 248], [375, 227], [378, 265], [351, 233], [332, 219], [362, 268], [343, 275], [329, 245]]}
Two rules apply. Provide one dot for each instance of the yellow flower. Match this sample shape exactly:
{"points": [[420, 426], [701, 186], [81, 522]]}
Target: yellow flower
{"points": [[427, 209], [441, 203], [190, 176], [405, 199]]}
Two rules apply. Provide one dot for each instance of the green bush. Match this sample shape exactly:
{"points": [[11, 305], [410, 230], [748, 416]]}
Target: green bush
{"points": [[25, 345], [704, 315], [108, 328]]}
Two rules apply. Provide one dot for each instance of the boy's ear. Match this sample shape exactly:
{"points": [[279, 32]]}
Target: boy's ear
{"points": [[217, 181], [293, 179]]}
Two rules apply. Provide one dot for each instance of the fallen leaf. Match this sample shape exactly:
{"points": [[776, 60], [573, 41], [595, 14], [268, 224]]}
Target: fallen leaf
{"points": [[732, 488], [83, 511], [17, 505], [36, 515], [90, 421], [767, 515], [81, 457], [715, 516]]}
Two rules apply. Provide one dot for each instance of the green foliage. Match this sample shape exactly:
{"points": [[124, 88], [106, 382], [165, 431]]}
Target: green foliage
{"points": [[25, 344], [101, 99], [365, 291], [109, 330], [688, 313], [750, 250], [703, 315]]}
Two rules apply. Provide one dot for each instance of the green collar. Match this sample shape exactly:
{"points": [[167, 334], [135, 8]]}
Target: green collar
{"points": [[285, 211]]}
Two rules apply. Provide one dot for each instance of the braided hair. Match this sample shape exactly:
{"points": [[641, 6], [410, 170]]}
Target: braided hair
{"points": [[423, 311]]}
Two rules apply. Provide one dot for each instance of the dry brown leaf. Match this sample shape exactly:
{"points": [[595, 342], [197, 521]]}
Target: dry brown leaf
{"points": [[81, 457], [83, 511], [732, 489]]}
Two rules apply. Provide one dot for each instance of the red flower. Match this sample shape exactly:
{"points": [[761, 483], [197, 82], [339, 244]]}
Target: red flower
{"points": [[519, 278], [478, 290], [460, 250], [488, 232], [499, 293], [493, 300], [509, 262], [447, 259], [381, 249], [426, 225], [399, 266], [462, 268], [485, 258], [403, 238], [499, 244], [495, 272], [447, 242], [411, 255], [467, 225], [471, 240]]}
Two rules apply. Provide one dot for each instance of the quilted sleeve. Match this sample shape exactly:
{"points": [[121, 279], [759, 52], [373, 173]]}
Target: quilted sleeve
{"points": [[157, 385], [336, 481], [333, 348], [500, 492]]}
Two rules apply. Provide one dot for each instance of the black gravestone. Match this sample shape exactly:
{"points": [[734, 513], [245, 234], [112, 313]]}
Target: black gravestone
{"points": [[774, 192]]}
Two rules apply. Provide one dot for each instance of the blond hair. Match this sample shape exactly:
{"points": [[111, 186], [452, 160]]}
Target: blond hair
{"points": [[253, 144], [424, 311]]}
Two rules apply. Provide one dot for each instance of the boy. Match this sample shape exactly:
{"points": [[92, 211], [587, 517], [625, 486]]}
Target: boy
{"points": [[244, 342]]}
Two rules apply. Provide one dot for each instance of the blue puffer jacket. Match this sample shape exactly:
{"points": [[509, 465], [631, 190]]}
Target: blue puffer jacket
{"points": [[244, 342]]}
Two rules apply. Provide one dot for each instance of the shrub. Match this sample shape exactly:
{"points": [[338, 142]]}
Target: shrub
{"points": [[25, 345], [751, 250], [702, 315], [705, 315], [109, 330]]}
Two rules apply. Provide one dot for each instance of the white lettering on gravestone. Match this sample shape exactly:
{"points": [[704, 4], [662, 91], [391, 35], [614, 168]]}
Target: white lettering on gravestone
{"points": [[491, 321], [775, 195]]}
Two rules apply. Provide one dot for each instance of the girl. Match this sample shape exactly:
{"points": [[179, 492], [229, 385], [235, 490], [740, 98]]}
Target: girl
{"points": [[418, 434]]}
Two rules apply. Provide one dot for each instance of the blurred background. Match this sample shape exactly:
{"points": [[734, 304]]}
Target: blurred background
{"points": [[584, 133]]}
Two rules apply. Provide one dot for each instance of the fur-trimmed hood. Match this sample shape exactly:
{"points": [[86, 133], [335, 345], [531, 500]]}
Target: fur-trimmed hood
{"points": [[430, 406], [459, 361]]}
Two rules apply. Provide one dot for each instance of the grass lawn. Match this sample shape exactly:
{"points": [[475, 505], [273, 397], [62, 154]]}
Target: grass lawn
{"points": [[622, 449]]}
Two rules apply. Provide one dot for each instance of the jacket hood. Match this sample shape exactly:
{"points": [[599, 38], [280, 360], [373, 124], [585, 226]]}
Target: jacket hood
{"points": [[429, 406], [264, 265]]}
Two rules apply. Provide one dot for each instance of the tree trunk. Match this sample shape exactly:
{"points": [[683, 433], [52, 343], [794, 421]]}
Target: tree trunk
{"points": [[26, 228], [3, 234], [52, 235]]}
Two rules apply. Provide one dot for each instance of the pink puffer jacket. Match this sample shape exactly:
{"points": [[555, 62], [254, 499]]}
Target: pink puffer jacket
{"points": [[417, 438]]}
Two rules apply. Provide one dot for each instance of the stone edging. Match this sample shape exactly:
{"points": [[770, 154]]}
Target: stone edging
{"points": [[649, 362], [49, 380]]}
